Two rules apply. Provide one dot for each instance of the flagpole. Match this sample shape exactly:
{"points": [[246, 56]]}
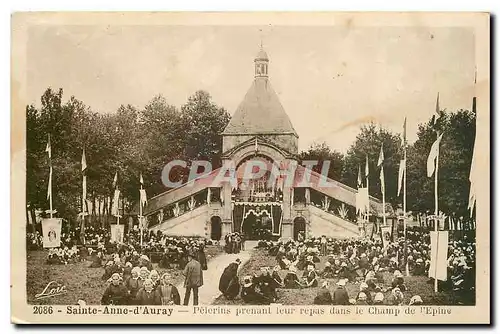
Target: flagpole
{"points": [[84, 195], [404, 216], [436, 211], [50, 175], [84, 184], [367, 171], [383, 196], [50, 182], [140, 212]]}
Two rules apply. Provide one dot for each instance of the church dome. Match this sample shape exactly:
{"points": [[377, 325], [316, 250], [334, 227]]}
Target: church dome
{"points": [[262, 55]]}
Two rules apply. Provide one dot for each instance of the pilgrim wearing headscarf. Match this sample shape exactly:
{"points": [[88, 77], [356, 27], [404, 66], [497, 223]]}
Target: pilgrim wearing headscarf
{"points": [[310, 277], [133, 283], [144, 262], [143, 273], [323, 297], [169, 295], [96, 258], [165, 258], [116, 293], [340, 296], [362, 299], [363, 288], [155, 277], [398, 281], [278, 281], [416, 300], [111, 268], [266, 284], [291, 280], [378, 299], [250, 295], [328, 271], [396, 297], [147, 295]]}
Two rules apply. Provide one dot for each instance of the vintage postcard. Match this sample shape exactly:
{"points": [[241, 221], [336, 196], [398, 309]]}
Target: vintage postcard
{"points": [[253, 168]]}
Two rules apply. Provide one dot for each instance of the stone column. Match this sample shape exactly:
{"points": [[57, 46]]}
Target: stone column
{"points": [[287, 223], [227, 212], [287, 229], [308, 196]]}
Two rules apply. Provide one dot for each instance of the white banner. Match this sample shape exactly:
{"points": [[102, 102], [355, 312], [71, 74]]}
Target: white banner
{"points": [[51, 230], [439, 255], [386, 235], [115, 208], [117, 232]]}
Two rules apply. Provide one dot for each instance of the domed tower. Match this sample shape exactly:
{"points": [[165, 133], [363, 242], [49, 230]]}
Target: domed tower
{"points": [[261, 114]]}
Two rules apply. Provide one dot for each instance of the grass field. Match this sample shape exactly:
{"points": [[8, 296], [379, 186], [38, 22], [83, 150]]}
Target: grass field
{"points": [[417, 285], [81, 282]]}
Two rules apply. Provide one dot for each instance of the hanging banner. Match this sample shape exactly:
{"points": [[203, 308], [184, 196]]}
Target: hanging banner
{"points": [[115, 209], [386, 235], [51, 230], [439, 255], [117, 233]]}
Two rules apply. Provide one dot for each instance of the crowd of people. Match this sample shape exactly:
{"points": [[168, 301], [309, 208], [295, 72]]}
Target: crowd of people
{"points": [[63, 255], [377, 271], [167, 251], [142, 285], [233, 243], [373, 271], [131, 275]]}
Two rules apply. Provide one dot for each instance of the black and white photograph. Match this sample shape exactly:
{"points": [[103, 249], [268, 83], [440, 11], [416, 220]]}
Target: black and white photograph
{"points": [[321, 167]]}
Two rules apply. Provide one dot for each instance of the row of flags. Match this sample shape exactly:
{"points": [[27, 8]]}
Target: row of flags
{"points": [[362, 196], [87, 206]]}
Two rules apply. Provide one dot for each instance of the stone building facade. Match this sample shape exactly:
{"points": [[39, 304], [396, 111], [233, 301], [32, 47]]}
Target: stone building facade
{"points": [[263, 207]]}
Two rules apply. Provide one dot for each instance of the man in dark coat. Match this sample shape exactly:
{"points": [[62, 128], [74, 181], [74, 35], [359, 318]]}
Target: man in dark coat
{"points": [[340, 296], [202, 258], [229, 284], [193, 279]]}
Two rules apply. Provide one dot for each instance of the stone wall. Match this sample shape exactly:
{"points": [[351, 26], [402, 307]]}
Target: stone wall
{"points": [[324, 223], [191, 223]]}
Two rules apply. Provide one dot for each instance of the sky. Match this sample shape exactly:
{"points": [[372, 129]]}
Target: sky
{"points": [[330, 80]]}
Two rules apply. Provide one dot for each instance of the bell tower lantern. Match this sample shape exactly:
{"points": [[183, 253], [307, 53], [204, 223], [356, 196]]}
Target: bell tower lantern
{"points": [[261, 64]]}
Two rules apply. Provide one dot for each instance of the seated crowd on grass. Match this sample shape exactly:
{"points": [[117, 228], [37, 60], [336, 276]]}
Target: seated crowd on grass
{"points": [[128, 267], [360, 262], [132, 279]]}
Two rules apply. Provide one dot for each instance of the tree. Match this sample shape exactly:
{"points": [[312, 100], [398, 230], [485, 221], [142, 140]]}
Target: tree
{"points": [[203, 122], [455, 156], [129, 141], [322, 152], [368, 143], [161, 140]]}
